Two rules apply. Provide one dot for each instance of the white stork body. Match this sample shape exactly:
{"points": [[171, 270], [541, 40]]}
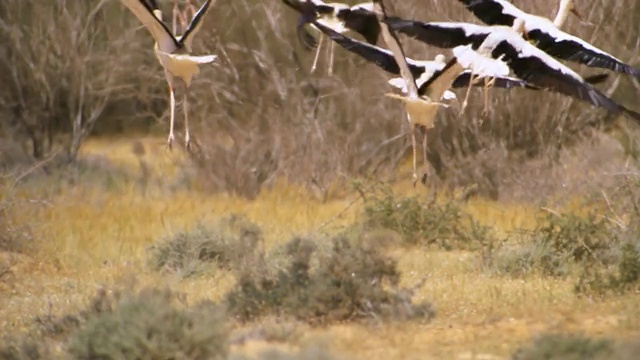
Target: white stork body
{"points": [[173, 52], [546, 34]]}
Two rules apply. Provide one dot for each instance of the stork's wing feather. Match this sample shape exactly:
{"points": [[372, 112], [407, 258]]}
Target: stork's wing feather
{"points": [[391, 39], [161, 34], [491, 12], [362, 21], [381, 57], [568, 47], [546, 73], [505, 82], [195, 24], [440, 34]]}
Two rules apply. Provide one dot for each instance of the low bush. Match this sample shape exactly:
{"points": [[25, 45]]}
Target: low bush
{"points": [[325, 280], [422, 221], [223, 243], [623, 276], [566, 347], [150, 325], [557, 245]]}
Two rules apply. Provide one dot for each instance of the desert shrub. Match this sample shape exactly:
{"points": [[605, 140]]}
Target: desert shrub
{"points": [[150, 325], [326, 280], [621, 277], [25, 348], [422, 220], [557, 245], [223, 243], [566, 347]]}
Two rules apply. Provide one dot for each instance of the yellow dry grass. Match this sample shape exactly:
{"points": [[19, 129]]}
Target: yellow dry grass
{"points": [[90, 237]]}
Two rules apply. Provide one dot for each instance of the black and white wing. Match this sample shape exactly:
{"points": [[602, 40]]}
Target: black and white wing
{"points": [[494, 12], [562, 45], [361, 19], [195, 25], [158, 29], [441, 34], [537, 68], [382, 57]]}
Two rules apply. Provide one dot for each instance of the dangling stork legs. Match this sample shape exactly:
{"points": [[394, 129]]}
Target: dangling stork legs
{"points": [[187, 138], [414, 130], [178, 19], [425, 162], [472, 81], [488, 84], [331, 51], [315, 59], [172, 102]]}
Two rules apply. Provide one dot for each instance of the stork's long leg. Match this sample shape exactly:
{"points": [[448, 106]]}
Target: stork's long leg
{"points": [[413, 148], [466, 97], [175, 15], [190, 7], [425, 162], [172, 101], [315, 60], [187, 138], [331, 51], [488, 84]]}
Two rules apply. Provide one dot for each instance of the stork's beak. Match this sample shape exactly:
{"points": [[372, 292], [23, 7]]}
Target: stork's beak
{"points": [[576, 13]]}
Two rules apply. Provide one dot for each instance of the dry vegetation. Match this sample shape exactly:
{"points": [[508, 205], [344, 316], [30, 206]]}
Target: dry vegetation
{"points": [[276, 238]]}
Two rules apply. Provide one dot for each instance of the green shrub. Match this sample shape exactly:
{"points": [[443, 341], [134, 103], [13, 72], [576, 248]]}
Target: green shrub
{"points": [[624, 276], [566, 347], [223, 243], [422, 221], [24, 349], [149, 325], [558, 245], [326, 280]]}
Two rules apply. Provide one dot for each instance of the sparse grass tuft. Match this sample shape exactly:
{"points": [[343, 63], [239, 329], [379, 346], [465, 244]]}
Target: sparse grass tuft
{"points": [[191, 252], [422, 221], [149, 325], [325, 280], [566, 347]]}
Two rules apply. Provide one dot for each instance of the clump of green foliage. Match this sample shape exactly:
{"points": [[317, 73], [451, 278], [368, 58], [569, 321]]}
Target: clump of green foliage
{"points": [[421, 221], [325, 280], [222, 243], [622, 277], [557, 245], [150, 325], [565, 347], [25, 348]]}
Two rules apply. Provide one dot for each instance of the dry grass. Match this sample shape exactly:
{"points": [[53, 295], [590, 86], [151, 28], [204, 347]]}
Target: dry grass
{"points": [[89, 237]]}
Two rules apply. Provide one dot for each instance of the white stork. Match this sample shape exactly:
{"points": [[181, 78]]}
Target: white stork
{"points": [[502, 43], [337, 16], [173, 52], [421, 104], [546, 34]]}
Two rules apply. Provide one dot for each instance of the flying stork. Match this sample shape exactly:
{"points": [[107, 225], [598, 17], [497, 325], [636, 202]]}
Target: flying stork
{"points": [[503, 43], [546, 34], [339, 17], [421, 104], [173, 52]]}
